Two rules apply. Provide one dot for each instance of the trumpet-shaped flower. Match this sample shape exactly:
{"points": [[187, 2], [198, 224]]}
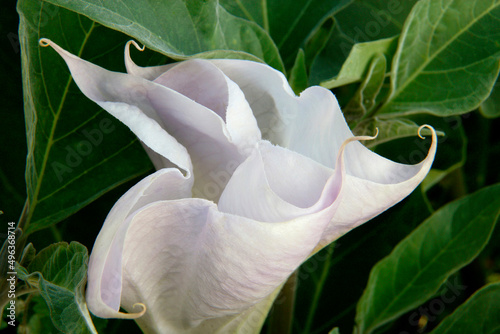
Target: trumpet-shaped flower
{"points": [[251, 180]]}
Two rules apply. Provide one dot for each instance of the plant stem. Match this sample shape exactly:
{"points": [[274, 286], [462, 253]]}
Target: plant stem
{"points": [[319, 289], [282, 314]]}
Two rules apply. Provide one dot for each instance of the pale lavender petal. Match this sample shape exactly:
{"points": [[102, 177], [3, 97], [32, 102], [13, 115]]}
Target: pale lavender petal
{"points": [[169, 123], [311, 124], [192, 265], [278, 185], [271, 98], [150, 72], [126, 98], [364, 198], [198, 269], [204, 83], [104, 275]]}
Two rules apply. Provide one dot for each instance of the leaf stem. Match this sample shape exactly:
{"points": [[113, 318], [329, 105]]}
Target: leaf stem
{"points": [[319, 289], [281, 317], [265, 17]]}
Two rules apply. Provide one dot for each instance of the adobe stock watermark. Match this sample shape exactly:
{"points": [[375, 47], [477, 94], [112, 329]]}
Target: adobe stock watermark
{"points": [[75, 155], [11, 273], [437, 305]]}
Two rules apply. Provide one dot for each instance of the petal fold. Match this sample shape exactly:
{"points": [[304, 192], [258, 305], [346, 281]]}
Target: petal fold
{"points": [[174, 127], [104, 274], [192, 265], [363, 198]]}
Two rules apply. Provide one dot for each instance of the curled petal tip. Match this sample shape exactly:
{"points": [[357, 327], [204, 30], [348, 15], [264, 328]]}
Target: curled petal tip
{"points": [[357, 138], [44, 42], [428, 127], [136, 45], [134, 315]]}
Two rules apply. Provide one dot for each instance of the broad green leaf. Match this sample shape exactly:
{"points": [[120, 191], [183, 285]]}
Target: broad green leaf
{"points": [[359, 22], [448, 58], [451, 238], [490, 108], [76, 151], [298, 74], [364, 101], [479, 314], [59, 272], [389, 129], [358, 62], [288, 22], [334, 331], [181, 28], [40, 322], [353, 257]]}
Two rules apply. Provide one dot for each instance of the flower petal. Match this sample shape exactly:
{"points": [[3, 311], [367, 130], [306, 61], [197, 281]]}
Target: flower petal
{"points": [[125, 97], [104, 283], [271, 98], [148, 73], [169, 123], [364, 198], [204, 83], [311, 124], [192, 265], [278, 185], [198, 269]]}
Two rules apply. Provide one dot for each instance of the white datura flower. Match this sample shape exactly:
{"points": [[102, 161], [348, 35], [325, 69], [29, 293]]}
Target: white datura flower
{"points": [[251, 181]]}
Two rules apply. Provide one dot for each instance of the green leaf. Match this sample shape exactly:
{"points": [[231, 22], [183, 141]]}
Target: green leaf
{"points": [[40, 321], [298, 74], [478, 314], [358, 62], [288, 22], [364, 101], [76, 151], [334, 331], [490, 108], [59, 272], [180, 28], [451, 238], [359, 22], [448, 58]]}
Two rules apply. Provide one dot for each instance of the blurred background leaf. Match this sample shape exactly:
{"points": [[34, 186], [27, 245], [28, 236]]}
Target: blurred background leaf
{"points": [[289, 23], [490, 108], [358, 22], [478, 314], [355, 67]]}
